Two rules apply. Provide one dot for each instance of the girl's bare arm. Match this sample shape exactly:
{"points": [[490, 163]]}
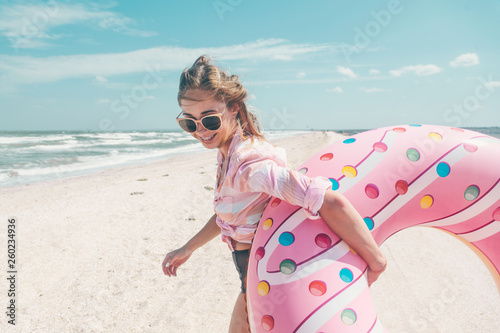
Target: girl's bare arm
{"points": [[346, 222]]}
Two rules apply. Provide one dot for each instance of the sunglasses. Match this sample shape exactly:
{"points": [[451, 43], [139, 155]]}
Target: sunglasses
{"points": [[211, 122]]}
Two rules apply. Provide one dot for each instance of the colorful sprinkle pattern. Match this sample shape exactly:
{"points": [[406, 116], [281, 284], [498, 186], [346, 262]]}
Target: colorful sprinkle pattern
{"points": [[303, 278]]}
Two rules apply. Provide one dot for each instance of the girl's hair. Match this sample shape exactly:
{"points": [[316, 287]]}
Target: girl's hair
{"points": [[223, 87]]}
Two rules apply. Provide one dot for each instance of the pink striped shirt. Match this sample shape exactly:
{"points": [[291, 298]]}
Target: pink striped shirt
{"points": [[254, 173]]}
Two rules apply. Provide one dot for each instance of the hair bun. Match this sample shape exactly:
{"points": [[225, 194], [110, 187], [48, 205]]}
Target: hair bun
{"points": [[202, 60]]}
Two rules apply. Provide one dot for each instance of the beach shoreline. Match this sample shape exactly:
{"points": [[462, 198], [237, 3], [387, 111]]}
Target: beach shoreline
{"points": [[33, 157], [90, 250]]}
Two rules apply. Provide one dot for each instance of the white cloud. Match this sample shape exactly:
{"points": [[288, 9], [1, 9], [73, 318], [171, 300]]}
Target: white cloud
{"points": [[375, 90], [420, 70], [29, 25], [107, 100], [492, 84], [285, 57], [347, 72], [468, 59], [26, 69], [396, 72], [100, 79], [301, 75], [337, 90], [374, 71]]}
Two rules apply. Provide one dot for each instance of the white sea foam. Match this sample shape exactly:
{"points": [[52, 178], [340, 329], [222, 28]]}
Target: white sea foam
{"points": [[33, 157], [39, 156]]}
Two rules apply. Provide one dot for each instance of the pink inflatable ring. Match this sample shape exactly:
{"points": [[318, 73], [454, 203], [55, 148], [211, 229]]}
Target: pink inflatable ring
{"points": [[396, 177]]}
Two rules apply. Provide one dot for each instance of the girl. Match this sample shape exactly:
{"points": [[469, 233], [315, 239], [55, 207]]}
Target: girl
{"points": [[251, 171]]}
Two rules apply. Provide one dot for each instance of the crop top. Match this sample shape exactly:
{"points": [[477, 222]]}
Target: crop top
{"points": [[254, 173]]}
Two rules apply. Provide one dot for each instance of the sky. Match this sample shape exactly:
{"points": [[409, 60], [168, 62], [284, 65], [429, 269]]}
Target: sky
{"points": [[322, 65]]}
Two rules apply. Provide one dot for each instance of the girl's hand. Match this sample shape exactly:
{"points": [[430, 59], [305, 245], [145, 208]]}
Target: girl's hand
{"points": [[174, 259], [373, 274]]}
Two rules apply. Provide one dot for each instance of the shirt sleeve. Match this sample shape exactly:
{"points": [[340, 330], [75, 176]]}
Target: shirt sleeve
{"points": [[266, 173]]}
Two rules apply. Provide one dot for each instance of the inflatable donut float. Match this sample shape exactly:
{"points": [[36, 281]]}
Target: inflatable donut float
{"points": [[303, 278]]}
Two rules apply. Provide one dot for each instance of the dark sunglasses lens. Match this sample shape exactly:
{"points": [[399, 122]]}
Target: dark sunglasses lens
{"points": [[211, 123], [188, 125]]}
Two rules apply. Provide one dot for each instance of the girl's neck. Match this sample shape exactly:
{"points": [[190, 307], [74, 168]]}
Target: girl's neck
{"points": [[224, 149]]}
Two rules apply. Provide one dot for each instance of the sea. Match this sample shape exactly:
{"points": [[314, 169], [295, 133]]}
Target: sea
{"points": [[30, 157], [35, 156]]}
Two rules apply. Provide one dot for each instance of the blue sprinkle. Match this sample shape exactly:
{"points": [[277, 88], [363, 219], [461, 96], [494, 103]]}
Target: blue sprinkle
{"points": [[350, 140], [335, 184], [369, 223], [346, 275], [286, 239], [443, 169]]}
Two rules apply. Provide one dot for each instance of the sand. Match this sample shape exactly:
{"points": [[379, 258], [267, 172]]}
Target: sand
{"points": [[90, 248]]}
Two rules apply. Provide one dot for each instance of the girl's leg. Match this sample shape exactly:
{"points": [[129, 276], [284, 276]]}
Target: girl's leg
{"points": [[239, 320]]}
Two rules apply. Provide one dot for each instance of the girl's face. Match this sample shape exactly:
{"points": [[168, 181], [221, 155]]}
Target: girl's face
{"points": [[200, 107]]}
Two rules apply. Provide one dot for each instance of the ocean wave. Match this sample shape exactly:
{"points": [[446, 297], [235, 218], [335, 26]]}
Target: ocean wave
{"points": [[33, 139], [40, 156], [77, 157]]}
